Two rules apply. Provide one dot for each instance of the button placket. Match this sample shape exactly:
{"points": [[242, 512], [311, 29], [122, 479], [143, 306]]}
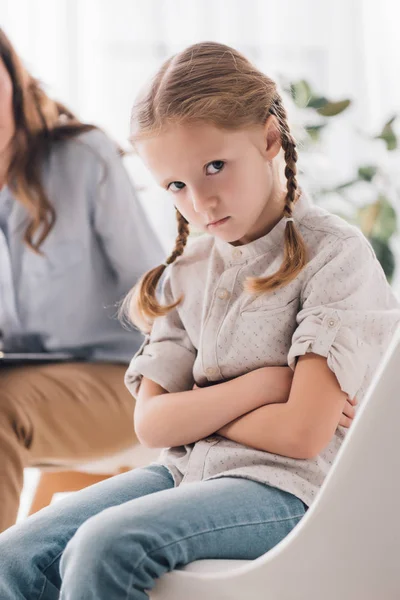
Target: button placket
{"points": [[216, 316], [197, 459]]}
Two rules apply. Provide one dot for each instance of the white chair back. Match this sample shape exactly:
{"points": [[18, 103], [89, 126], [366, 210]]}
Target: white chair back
{"points": [[347, 547]]}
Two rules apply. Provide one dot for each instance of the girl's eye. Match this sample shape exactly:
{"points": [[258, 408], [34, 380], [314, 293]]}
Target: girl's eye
{"points": [[211, 169], [215, 167], [175, 186]]}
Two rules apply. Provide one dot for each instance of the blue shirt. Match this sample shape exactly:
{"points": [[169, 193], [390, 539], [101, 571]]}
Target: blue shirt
{"points": [[100, 244]]}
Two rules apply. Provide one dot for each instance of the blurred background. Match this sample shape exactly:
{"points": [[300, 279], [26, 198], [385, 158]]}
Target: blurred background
{"points": [[337, 64]]}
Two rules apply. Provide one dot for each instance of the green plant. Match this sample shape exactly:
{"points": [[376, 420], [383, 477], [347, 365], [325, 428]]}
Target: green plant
{"points": [[377, 219]]}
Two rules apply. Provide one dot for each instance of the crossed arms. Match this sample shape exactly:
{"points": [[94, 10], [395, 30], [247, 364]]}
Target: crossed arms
{"points": [[270, 409]]}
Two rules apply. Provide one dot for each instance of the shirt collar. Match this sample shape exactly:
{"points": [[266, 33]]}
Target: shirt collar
{"points": [[275, 237]]}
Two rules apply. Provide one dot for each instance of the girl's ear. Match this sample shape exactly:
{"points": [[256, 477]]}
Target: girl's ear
{"points": [[272, 137]]}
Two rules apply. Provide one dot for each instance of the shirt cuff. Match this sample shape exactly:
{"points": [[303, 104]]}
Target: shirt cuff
{"points": [[166, 363], [347, 356]]}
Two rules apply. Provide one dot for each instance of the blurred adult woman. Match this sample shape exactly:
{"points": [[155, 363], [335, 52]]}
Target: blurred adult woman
{"points": [[73, 240]]}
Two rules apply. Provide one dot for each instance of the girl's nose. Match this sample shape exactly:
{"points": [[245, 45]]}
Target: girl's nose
{"points": [[202, 202]]}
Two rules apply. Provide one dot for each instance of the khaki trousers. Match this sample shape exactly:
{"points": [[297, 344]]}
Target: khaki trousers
{"points": [[59, 415]]}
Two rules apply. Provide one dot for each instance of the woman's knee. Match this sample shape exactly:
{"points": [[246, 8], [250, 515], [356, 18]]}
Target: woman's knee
{"points": [[15, 417], [15, 425], [7, 400], [10, 401]]}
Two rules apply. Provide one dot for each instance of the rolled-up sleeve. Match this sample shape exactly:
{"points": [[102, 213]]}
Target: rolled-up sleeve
{"points": [[348, 313], [167, 355]]}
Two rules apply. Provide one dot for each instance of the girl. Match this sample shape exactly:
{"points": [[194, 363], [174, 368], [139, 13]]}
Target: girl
{"points": [[278, 287], [73, 238]]}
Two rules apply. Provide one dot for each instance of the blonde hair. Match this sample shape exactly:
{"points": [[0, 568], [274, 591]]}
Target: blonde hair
{"points": [[213, 83]]}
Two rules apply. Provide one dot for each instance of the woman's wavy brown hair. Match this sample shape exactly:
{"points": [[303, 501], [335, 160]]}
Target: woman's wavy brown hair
{"points": [[213, 83], [39, 122]]}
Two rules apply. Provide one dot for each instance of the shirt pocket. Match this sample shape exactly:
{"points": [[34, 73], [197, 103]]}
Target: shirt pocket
{"points": [[267, 309], [264, 333]]}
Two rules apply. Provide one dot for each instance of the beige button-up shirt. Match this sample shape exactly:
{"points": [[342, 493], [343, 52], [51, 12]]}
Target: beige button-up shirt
{"points": [[340, 307]]}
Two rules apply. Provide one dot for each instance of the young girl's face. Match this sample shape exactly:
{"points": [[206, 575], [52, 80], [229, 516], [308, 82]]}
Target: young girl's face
{"points": [[223, 182]]}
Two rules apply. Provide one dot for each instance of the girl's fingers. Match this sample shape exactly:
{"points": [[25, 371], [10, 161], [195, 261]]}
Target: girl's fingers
{"points": [[345, 421], [349, 410]]}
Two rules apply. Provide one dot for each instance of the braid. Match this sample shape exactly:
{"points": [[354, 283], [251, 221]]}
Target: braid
{"points": [[295, 252], [181, 240], [141, 305], [289, 148]]}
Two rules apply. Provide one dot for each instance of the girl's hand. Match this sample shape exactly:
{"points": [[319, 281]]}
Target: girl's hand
{"points": [[273, 382], [348, 413]]}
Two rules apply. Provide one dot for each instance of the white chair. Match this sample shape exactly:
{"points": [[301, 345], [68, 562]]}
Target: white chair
{"points": [[347, 547]]}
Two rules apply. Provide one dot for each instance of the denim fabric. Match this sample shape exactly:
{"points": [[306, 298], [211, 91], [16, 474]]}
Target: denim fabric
{"points": [[114, 539]]}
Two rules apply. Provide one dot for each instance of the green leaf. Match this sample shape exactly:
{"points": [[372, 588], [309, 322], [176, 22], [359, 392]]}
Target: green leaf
{"points": [[388, 136], [331, 109], [385, 256], [367, 216], [367, 172], [301, 93], [386, 223], [378, 220], [317, 102], [314, 131]]}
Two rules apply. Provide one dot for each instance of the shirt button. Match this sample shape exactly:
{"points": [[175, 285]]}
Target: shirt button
{"points": [[210, 372], [331, 323], [237, 253], [223, 294]]}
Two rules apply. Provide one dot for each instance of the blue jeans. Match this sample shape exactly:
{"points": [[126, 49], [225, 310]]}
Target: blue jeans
{"points": [[113, 539]]}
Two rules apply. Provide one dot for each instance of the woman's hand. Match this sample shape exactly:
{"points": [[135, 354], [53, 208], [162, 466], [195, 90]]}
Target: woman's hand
{"points": [[348, 413]]}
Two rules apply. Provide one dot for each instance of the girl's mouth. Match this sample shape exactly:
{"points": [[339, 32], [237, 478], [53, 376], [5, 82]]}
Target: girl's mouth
{"points": [[217, 223]]}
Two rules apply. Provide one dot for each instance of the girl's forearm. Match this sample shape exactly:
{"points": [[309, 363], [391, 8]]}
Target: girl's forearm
{"points": [[180, 418], [272, 428]]}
